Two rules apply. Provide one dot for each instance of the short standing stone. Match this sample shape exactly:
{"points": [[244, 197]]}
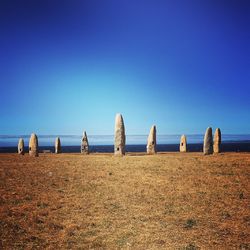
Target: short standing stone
{"points": [[183, 144], [208, 142], [217, 141], [21, 146], [120, 139], [58, 148], [151, 144], [33, 145], [85, 144]]}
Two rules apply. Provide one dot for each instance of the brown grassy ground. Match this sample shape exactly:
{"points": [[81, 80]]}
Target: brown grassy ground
{"points": [[167, 201]]}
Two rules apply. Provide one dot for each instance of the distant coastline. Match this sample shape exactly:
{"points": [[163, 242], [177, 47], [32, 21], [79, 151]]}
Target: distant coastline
{"points": [[134, 143], [73, 140]]}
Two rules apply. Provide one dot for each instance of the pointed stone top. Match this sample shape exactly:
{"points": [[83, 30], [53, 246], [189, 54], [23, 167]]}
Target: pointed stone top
{"points": [[208, 129], [119, 123], [33, 135], [152, 132], [33, 138], [183, 138], [217, 134], [208, 132], [85, 143], [118, 118], [84, 136], [153, 127], [21, 140], [57, 142]]}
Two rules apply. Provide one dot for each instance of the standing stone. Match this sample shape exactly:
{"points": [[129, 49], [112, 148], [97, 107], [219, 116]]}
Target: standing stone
{"points": [[33, 145], [183, 144], [58, 148], [151, 145], [21, 146], [120, 139], [208, 142], [217, 141], [85, 144]]}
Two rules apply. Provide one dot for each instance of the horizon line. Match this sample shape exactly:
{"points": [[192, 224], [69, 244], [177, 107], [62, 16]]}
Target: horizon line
{"points": [[68, 135]]}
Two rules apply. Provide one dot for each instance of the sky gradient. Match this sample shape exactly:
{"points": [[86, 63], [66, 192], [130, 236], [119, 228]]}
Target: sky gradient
{"points": [[69, 66]]}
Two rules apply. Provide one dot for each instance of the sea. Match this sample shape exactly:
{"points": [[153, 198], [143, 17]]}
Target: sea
{"points": [[134, 143]]}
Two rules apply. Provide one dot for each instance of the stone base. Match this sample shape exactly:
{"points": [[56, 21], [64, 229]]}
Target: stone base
{"points": [[33, 153]]}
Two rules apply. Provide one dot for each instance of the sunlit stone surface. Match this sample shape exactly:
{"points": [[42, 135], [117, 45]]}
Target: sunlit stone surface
{"points": [[120, 139], [183, 144], [21, 146], [58, 148], [151, 144], [217, 141], [33, 145], [208, 142], [85, 144]]}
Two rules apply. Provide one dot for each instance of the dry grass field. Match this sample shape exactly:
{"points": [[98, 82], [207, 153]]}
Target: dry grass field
{"points": [[164, 201]]}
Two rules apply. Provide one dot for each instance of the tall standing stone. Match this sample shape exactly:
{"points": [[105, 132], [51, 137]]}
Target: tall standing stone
{"points": [[58, 148], [33, 145], [120, 139], [85, 144], [21, 146], [151, 144], [217, 141], [183, 144], [208, 142]]}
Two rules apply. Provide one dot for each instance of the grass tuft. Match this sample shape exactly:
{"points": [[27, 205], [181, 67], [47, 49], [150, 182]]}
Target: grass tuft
{"points": [[190, 223]]}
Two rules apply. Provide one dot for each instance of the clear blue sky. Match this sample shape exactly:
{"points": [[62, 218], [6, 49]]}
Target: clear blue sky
{"points": [[70, 65]]}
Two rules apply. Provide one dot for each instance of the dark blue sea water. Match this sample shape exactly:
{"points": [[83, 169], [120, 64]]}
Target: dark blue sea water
{"points": [[134, 143]]}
